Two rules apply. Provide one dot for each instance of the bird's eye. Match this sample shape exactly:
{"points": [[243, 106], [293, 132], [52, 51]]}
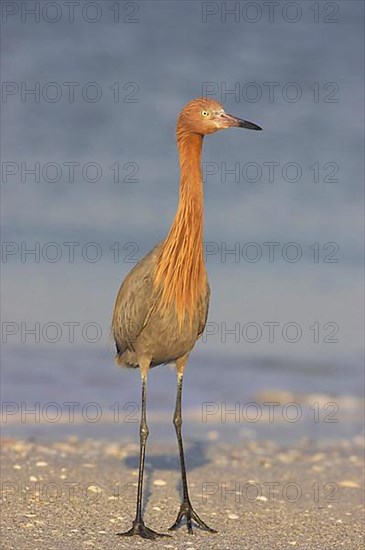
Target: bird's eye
{"points": [[205, 113]]}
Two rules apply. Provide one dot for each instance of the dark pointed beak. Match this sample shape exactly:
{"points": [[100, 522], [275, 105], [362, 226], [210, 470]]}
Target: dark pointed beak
{"points": [[232, 121]]}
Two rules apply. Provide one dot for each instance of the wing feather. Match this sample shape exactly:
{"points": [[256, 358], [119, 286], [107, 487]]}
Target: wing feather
{"points": [[134, 303]]}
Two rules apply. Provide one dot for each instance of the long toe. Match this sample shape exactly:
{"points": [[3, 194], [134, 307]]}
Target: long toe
{"points": [[140, 529], [201, 523], [177, 523], [188, 512]]}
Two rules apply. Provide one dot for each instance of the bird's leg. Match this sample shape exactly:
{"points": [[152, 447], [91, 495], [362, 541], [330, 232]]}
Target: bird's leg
{"points": [[138, 526], [186, 508]]}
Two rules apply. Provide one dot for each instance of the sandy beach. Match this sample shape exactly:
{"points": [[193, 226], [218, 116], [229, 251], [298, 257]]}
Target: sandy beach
{"points": [[76, 494]]}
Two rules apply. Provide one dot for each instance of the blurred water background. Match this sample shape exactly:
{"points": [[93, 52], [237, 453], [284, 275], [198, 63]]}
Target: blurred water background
{"points": [[147, 65]]}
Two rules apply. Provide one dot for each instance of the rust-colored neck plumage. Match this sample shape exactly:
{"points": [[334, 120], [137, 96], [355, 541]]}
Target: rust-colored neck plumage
{"points": [[180, 270]]}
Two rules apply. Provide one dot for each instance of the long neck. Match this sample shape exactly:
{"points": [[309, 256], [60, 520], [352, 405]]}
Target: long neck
{"points": [[181, 270], [187, 227]]}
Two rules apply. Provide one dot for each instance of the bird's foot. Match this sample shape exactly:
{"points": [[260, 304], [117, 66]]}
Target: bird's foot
{"points": [[139, 528], [186, 510]]}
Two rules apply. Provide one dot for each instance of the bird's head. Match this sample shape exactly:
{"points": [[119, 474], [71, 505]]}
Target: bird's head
{"points": [[206, 116]]}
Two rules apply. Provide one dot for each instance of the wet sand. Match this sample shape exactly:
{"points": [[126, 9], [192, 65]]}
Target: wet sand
{"points": [[78, 494]]}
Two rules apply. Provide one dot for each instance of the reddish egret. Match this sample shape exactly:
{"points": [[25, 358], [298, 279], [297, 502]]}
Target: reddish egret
{"points": [[162, 306]]}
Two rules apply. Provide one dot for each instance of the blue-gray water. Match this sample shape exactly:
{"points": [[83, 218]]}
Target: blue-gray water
{"points": [[298, 325]]}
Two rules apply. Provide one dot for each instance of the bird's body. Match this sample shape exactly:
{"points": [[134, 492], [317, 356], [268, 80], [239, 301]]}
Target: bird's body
{"points": [[141, 328], [162, 305]]}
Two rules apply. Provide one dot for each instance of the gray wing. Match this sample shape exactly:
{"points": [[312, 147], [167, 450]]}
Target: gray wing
{"points": [[135, 302]]}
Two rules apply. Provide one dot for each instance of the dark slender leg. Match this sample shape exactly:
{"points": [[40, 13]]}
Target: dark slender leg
{"points": [[186, 508], [138, 527]]}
